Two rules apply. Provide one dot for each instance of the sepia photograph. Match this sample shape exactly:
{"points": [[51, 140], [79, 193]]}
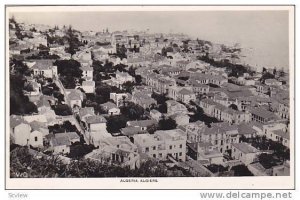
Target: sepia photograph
{"points": [[149, 97]]}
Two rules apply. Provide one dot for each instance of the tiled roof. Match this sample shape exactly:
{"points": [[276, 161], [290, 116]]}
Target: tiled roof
{"points": [[129, 131], [88, 83], [109, 105], [185, 91], [282, 134], [142, 123], [87, 68], [85, 111], [246, 129], [95, 119], [245, 148], [74, 96], [16, 120], [263, 113], [43, 64]]}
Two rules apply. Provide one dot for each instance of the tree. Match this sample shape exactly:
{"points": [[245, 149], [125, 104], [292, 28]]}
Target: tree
{"points": [[138, 79], [19, 103], [266, 160], [132, 111], [73, 41], [60, 97], [68, 68], [265, 76], [217, 168], [78, 150], [274, 71], [241, 170], [62, 109], [163, 108], [167, 124], [24, 164], [47, 91], [128, 86], [201, 116], [115, 123], [234, 107], [69, 71], [160, 98], [281, 73]]}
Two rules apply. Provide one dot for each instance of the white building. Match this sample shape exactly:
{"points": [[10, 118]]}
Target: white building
{"points": [[163, 145], [244, 152], [87, 73], [88, 86], [44, 68]]}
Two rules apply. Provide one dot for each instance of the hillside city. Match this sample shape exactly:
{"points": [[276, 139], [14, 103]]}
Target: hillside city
{"points": [[141, 104]]}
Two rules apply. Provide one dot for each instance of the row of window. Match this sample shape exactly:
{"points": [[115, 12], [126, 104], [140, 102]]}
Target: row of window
{"points": [[154, 147], [160, 155]]}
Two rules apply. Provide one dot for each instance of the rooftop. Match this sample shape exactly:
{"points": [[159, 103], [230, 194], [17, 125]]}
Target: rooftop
{"points": [[95, 119], [281, 133], [86, 111], [174, 134], [245, 148], [263, 113], [43, 64], [60, 139], [88, 83], [141, 123], [86, 68]]}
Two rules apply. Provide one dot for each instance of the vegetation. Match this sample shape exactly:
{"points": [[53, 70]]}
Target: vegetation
{"points": [[167, 124], [267, 160], [19, 103], [73, 41], [234, 70], [241, 170], [65, 127], [115, 123], [132, 111], [62, 110], [78, 150], [217, 168], [128, 86], [25, 165], [201, 116], [121, 51], [280, 151], [265, 76], [161, 101], [69, 71]]}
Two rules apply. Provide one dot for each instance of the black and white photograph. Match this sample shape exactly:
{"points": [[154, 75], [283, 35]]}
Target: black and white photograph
{"points": [[150, 96]]}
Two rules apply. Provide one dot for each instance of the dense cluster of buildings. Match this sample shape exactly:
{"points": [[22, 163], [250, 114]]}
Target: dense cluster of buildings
{"points": [[244, 107]]}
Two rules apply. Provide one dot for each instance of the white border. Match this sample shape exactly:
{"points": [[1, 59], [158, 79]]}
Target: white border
{"points": [[163, 183]]}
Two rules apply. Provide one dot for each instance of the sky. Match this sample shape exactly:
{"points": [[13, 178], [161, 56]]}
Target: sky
{"points": [[266, 32]]}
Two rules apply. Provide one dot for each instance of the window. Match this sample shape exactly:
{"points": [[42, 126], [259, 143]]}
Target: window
{"points": [[170, 147], [180, 146], [147, 149], [160, 155], [35, 139], [154, 155], [180, 153], [154, 148]]}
